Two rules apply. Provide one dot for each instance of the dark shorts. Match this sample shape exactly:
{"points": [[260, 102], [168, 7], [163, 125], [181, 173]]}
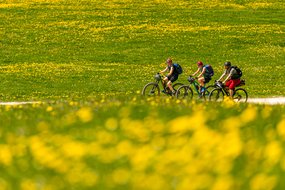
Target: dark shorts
{"points": [[172, 78], [207, 79]]}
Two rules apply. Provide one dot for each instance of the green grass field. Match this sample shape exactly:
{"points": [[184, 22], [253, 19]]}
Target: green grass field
{"points": [[85, 63], [60, 49]]}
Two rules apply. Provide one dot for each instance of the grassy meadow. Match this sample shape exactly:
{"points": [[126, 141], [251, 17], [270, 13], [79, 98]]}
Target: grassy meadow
{"points": [[85, 48], [85, 62]]}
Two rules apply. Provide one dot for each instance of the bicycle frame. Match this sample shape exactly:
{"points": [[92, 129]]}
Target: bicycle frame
{"points": [[159, 78], [155, 85], [224, 89], [220, 86], [194, 83]]}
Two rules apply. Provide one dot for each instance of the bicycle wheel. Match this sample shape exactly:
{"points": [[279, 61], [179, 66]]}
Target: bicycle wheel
{"points": [[176, 85], [184, 92], [208, 90], [151, 89], [216, 95], [240, 95]]}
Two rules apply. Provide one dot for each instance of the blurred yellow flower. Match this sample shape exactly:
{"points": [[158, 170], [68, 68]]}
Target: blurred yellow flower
{"points": [[249, 114], [281, 129], [49, 109], [121, 176], [73, 149], [263, 182], [5, 155], [28, 184], [273, 152], [111, 124], [85, 114]]}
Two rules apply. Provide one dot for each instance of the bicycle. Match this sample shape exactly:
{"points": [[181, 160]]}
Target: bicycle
{"points": [[186, 92], [217, 94], [153, 89]]}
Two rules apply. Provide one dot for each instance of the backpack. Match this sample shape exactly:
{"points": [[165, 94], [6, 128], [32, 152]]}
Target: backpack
{"points": [[239, 72], [178, 68], [209, 70]]}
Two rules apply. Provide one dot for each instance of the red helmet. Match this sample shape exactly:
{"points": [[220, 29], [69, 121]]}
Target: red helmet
{"points": [[199, 63]]}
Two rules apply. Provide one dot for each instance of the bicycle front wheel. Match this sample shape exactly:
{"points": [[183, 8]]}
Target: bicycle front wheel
{"points": [[151, 89], [216, 95], [208, 90], [184, 92], [240, 95]]}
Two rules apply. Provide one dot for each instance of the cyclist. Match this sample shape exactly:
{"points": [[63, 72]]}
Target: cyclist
{"points": [[171, 77], [232, 80], [204, 77]]}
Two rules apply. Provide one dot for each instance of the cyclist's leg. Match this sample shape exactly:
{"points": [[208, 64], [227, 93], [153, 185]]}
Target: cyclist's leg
{"points": [[231, 88], [172, 79], [228, 83], [164, 81], [201, 81], [235, 82]]}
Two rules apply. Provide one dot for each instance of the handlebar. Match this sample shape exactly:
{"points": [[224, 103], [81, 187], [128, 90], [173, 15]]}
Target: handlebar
{"points": [[191, 79], [219, 84], [159, 76]]}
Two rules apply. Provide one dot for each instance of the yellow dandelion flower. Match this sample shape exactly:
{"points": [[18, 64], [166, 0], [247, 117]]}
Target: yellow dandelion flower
{"points": [[85, 114], [273, 152], [121, 176], [249, 114], [108, 155], [186, 123], [5, 155], [125, 148], [263, 182], [281, 128], [28, 184], [111, 124], [49, 109], [223, 182], [74, 149]]}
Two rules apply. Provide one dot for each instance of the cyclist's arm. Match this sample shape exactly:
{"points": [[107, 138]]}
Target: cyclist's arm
{"points": [[223, 75], [163, 71], [229, 76], [171, 71], [196, 72], [203, 72]]}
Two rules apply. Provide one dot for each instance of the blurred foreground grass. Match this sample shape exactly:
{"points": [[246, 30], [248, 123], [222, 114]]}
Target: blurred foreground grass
{"points": [[142, 144]]}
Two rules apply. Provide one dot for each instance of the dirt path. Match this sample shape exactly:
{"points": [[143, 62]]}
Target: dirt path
{"points": [[269, 101], [17, 103]]}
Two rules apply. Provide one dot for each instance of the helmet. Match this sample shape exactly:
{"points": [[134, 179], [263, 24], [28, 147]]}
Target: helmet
{"points": [[227, 64], [199, 63]]}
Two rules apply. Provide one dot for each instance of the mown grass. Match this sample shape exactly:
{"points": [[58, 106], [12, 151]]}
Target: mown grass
{"points": [[88, 36]]}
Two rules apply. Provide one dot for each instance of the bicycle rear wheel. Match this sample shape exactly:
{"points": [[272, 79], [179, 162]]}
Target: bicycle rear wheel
{"points": [[151, 89], [240, 95], [176, 85], [216, 95], [184, 92]]}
